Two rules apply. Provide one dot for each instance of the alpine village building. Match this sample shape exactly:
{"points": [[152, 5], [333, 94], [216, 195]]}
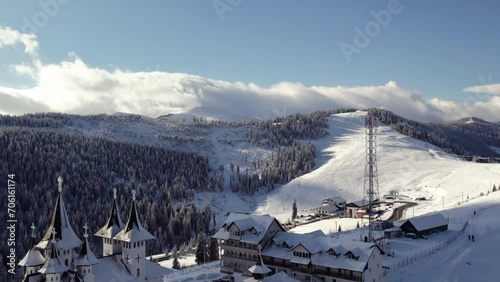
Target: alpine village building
{"points": [[250, 241], [62, 256]]}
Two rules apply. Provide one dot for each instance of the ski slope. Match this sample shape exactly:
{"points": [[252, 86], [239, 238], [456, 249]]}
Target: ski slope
{"points": [[412, 167], [463, 260]]}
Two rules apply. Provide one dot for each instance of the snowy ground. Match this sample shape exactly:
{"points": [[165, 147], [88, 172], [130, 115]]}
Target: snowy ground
{"points": [[463, 260], [414, 168], [184, 261]]}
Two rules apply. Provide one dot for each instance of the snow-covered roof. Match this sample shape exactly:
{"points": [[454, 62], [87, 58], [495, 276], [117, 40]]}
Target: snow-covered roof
{"points": [[319, 245], [361, 250], [336, 199], [133, 230], [293, 239], [111, 268], [428, 221], [297, 260], [65, 236], [86, 256], [33, 257], [280, 277], [53, 264], [358, 203], [246, 222], [114, 223], [259, 267], [154, 270]]}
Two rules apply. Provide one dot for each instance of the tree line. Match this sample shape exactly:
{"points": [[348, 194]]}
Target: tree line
{"points": [[462, 137]]}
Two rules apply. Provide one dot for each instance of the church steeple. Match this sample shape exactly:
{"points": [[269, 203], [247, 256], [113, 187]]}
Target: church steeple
{"points": [[65, 236], [86, 259], [33, 260], [259, 270], [133, 231], [110, 229], [133, 238], [53, 267]]}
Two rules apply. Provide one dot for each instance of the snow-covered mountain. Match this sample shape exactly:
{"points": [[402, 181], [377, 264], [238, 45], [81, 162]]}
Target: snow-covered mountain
{"points": [[415, 168], [204, 113]]}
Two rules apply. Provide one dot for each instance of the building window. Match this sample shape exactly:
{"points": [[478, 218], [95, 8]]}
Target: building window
{"points": [[138, 272]]}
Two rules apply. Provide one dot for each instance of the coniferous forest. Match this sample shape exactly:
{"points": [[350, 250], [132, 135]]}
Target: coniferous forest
{"points": [[470, 137], [38, 148]]}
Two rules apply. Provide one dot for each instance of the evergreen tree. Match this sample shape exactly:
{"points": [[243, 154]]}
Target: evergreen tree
{"points": [[340, 228], [213, 249], [201, 250], [494, 188], [294, 209]]}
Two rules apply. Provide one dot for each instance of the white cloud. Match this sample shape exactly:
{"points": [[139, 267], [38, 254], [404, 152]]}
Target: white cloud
{"points": [[493, 89], [72, 86], [9, 36]]}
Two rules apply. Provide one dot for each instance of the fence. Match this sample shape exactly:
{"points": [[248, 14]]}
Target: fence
{"points": [[411, 259]]}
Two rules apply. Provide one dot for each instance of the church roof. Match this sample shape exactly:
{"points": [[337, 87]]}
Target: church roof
{"points": [[53, 263], [65, 236], [86, 256], [33, 257], [259, 267], [133, 231], [114, 224]]}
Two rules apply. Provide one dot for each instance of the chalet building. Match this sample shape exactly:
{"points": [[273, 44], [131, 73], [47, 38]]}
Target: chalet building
{"points": [[62, 256], [337, 200], [325, 209], [330, 206], [425, 225], [303, 257], [356, 209], [240, 237]]}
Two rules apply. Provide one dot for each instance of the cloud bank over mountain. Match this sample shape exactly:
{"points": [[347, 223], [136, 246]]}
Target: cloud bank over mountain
{"points": [[72, 86]]}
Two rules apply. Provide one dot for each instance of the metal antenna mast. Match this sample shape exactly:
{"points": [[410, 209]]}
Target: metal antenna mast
{"points": [[371, 190]]}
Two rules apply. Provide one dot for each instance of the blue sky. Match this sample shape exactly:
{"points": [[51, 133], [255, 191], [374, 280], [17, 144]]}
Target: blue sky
{"points": [[433, 48]]}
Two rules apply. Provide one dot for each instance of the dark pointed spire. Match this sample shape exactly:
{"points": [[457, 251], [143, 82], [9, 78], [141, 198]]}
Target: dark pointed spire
{"points": [[259, 269], [53, 264], [33, 257], [65, 236], [114, 223], [133, 230], [86, 256]]}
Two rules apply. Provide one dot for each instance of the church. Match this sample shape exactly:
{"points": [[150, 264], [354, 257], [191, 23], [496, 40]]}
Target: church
{"points": [[62, 256]]}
